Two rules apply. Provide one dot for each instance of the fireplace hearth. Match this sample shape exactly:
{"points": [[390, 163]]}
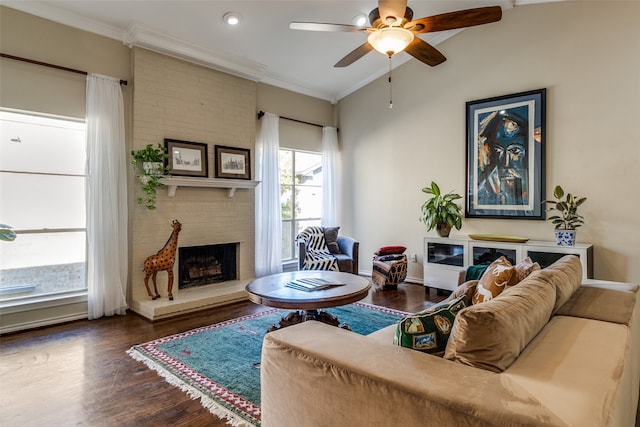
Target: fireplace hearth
{"points": [[208, 264]]}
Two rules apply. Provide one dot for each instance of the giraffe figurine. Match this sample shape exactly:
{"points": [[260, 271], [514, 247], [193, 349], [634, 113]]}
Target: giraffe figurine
{"points": [[163, 260]]}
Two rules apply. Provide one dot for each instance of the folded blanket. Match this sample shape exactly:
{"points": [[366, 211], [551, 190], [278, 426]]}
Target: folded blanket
{"points": [[475, 272]]}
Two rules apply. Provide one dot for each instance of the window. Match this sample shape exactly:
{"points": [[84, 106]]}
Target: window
{"points": [[42, 196], [300, 195]]}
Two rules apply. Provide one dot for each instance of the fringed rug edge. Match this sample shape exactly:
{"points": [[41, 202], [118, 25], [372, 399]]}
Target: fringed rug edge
{"points": [[211, 405]]}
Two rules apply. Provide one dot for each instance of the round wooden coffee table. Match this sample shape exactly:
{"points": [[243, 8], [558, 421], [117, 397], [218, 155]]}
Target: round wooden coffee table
{"points": [[276, 291]]}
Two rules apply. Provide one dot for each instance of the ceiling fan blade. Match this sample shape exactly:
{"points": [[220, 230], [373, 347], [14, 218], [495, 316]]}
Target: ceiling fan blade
{"points": [[392, 8], [458, 19], [354, 55], [319, 26], [424, 52]]}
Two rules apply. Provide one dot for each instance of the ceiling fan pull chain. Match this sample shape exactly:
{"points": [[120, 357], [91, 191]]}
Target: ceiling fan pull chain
{"points": [[390, 86]]}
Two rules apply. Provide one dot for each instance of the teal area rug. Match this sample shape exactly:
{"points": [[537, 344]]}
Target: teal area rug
{"points": [[220, 364]]}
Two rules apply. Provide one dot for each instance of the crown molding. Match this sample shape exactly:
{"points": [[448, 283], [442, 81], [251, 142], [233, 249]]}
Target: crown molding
{"points": [[55, 14], [137, 35], [298, 89]]}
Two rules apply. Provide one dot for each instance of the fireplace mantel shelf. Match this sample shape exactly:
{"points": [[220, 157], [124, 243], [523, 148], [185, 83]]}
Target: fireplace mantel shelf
{"points": [[174, 182]]}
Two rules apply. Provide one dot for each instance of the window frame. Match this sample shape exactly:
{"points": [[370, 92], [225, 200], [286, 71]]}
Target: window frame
{"points": [[56, 298], [294, 220]]}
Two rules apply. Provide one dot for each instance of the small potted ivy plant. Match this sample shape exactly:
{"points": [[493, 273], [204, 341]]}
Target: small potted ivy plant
{"points": [[152, 161], [567, 218], [441, 211]]}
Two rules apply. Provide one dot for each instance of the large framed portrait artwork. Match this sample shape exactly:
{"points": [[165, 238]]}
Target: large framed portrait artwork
{"points": [[506, 156]]}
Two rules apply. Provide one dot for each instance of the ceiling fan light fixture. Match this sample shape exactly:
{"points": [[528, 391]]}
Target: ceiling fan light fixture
{"points": [[231, 18], [390, 40]]}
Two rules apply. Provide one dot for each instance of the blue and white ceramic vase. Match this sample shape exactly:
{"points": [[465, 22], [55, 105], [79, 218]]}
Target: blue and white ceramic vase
{"points": [[565, 237]]}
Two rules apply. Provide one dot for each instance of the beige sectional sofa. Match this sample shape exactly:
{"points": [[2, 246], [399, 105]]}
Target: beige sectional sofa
{"points": [[550, 351]]}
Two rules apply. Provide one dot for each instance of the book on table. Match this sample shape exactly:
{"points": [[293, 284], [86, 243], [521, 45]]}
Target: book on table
{"points": [[312, 284]]}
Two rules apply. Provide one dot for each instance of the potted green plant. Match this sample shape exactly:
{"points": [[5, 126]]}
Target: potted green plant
{"points": [[152, 160], [567, 219], [441, 211]]}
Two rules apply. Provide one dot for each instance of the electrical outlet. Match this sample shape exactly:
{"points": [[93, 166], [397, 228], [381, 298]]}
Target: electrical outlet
{"points": [[414, 258]]}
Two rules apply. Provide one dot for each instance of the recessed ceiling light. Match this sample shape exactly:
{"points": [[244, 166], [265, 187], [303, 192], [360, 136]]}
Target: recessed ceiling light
{"points": [[231, 18], [360, 20]]}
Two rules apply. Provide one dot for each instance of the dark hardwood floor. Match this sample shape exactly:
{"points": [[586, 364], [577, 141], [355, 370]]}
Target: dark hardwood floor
{"points": [[79, 374]]}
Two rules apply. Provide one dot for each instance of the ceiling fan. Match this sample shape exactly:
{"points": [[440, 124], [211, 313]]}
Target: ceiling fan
{"points": [[393, 30]]}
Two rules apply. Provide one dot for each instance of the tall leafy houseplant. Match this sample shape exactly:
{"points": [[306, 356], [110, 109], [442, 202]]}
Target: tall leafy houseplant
{"points": [[441, 211], [567, 218], [152, 160]]}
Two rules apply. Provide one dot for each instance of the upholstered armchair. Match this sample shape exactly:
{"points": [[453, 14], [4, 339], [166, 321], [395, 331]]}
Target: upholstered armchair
{"points": [[318, 247]]}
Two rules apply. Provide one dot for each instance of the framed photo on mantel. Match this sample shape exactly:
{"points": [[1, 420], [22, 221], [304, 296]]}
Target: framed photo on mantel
{"points": [[187, 158], [506, 156], [232, 162]]}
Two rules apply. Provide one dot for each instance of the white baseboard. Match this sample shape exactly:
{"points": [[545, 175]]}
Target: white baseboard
{"points": [[15, 327]]}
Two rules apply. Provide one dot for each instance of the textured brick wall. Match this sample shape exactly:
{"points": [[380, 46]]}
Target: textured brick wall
{"points": [[180, 100]]}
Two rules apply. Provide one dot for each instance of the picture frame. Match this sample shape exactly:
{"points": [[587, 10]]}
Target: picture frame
{"points": [[505, 155], [187, 158], [232, 162]]}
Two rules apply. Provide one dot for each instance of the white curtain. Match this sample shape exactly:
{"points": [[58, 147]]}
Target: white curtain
{"points": [[106, 198], [268, 215], [330, 177]]}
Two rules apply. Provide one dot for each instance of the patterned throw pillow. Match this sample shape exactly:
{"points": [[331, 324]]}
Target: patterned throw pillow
{"points": [[522, 270], [494, 280], [428, 331], [468, 288]]}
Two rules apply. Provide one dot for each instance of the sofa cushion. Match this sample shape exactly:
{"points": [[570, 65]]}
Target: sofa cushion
{"points": [[565, 275], [522, 270], [491, 335], [331, 239], [493, 280], [580, 369], [428, 330]]}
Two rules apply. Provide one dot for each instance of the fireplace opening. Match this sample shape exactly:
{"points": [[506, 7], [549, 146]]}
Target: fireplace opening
{"points": [[204, 265]]}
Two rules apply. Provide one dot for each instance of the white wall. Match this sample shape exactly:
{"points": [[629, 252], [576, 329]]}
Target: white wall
{"points": [[587, 55]]}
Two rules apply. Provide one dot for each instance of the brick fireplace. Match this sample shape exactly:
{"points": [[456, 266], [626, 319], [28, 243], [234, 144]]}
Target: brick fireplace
{"points": [[178, 99]]}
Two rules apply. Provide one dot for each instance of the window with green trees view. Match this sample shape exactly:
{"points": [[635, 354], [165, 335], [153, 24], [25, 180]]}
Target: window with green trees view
{"points": [[300, 195]]}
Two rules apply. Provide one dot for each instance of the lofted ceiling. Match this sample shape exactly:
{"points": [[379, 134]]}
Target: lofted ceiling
{"points": [[261, 47]]}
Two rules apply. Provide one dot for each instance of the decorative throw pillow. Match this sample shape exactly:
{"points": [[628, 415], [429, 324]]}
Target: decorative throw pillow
{"points": [[428, 331], [494, 280], [522, 270], [389, 250], [468, 288], [331, 239]]}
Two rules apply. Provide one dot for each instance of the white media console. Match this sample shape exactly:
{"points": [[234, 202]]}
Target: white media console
{"points": [[445, 257]]}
